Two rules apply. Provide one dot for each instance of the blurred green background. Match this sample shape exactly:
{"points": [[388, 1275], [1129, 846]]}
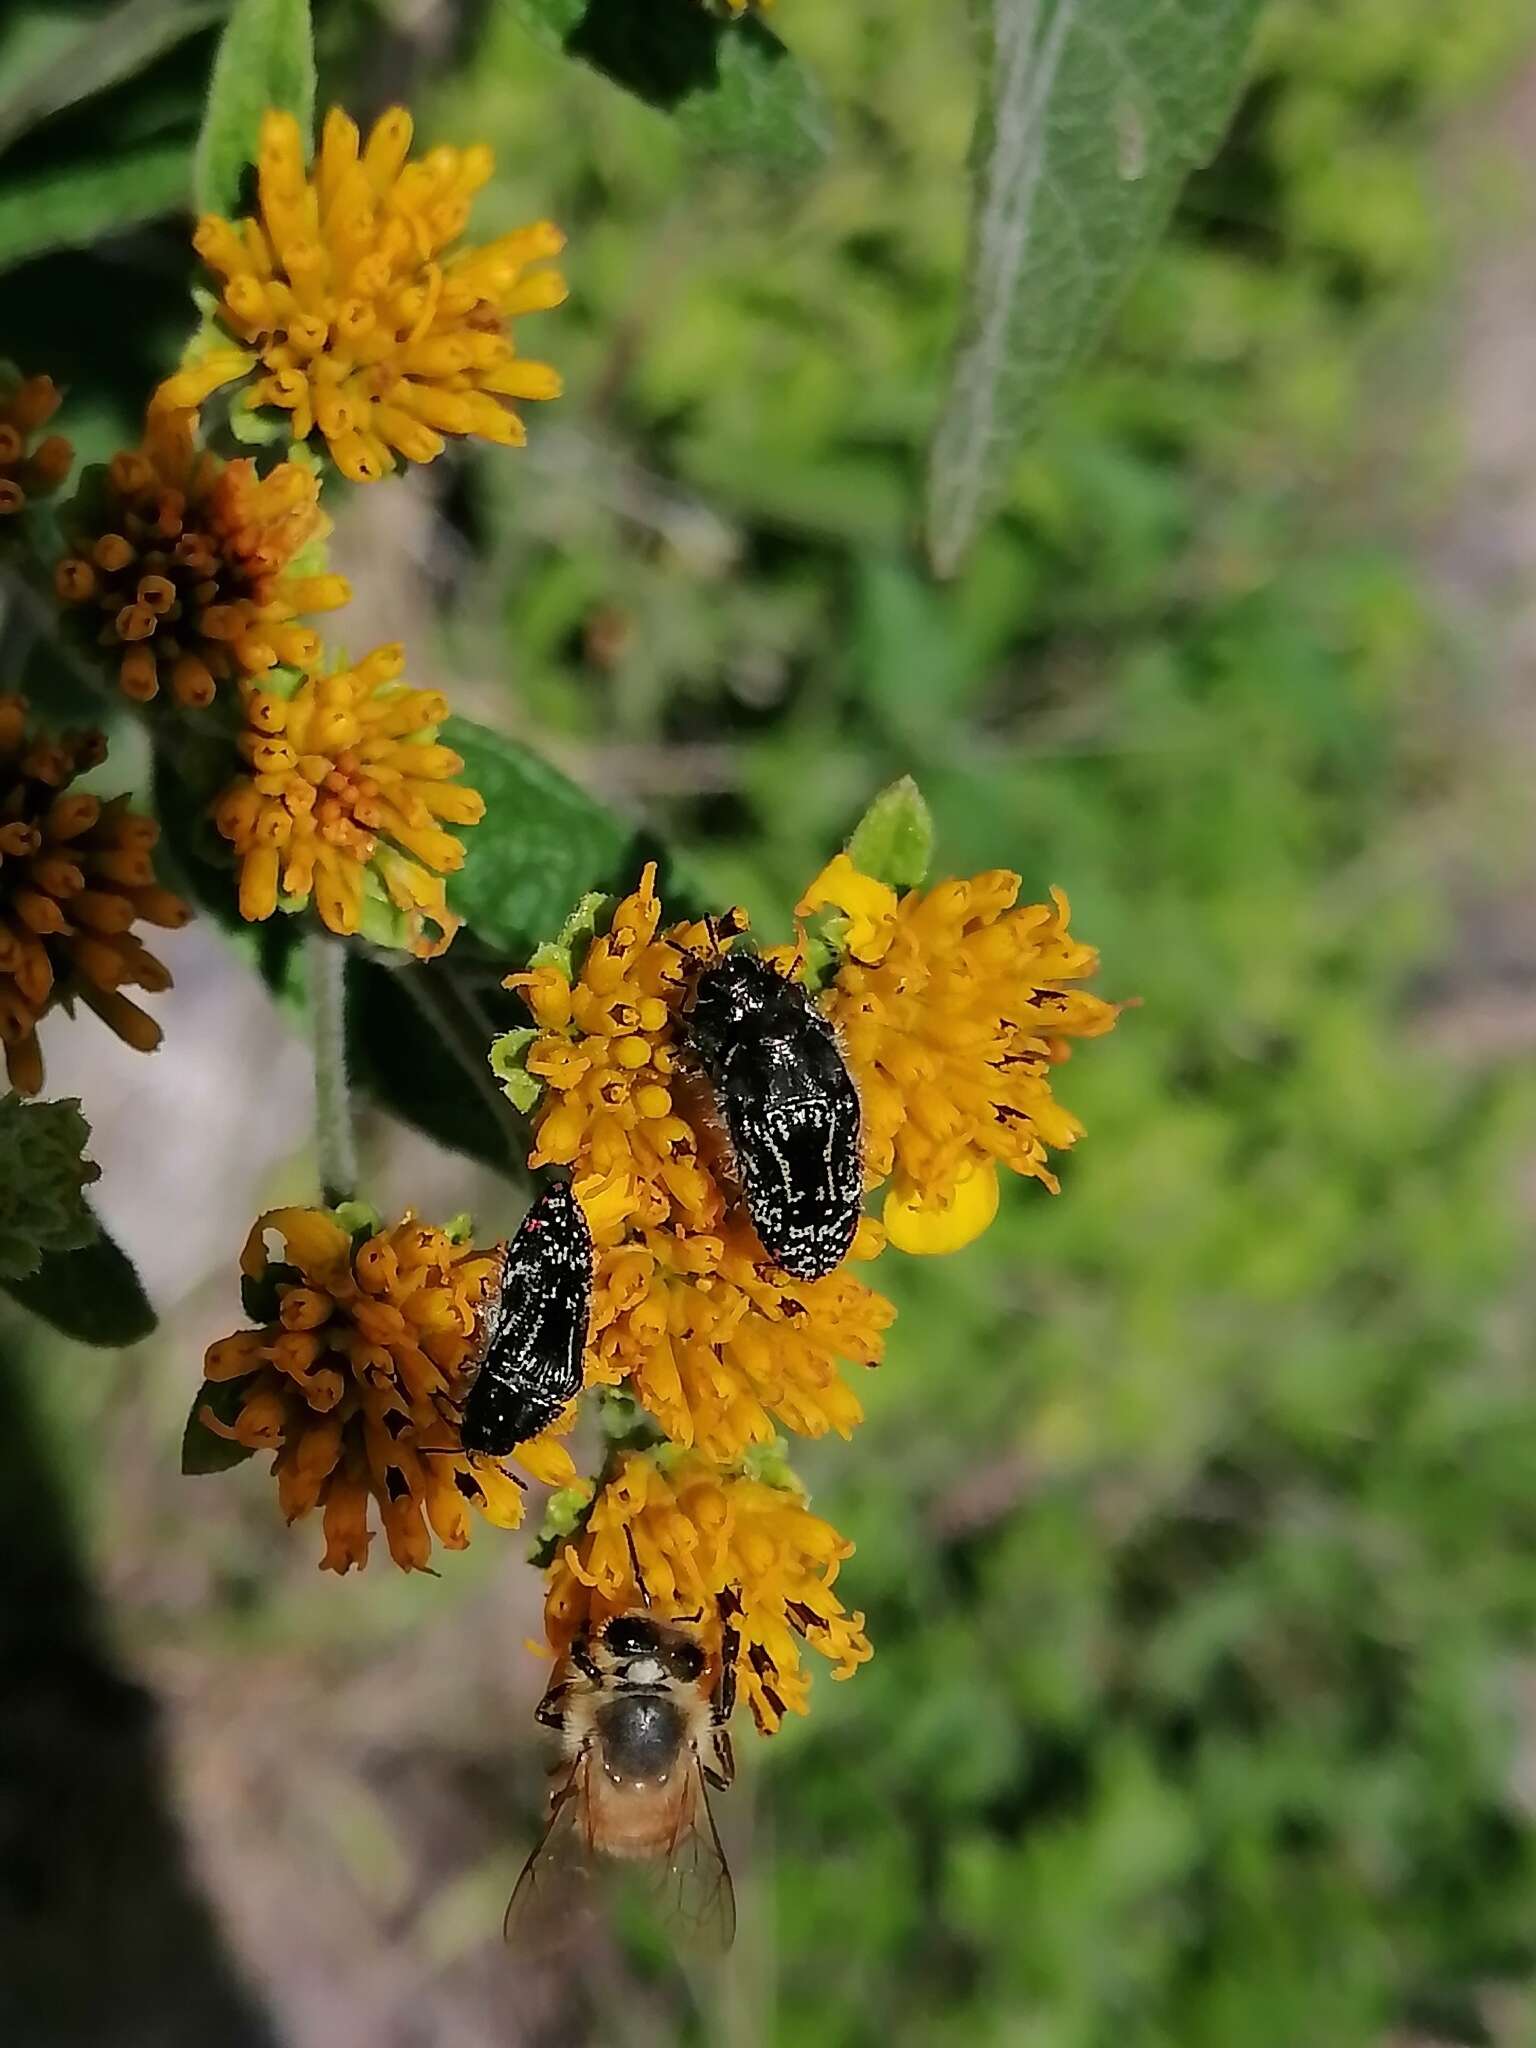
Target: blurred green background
{"points": [[1195, 1509]]}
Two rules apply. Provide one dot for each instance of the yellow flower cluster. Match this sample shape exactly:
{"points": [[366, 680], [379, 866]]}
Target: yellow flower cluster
{"points": [[367, 1341], [345, 799], [717, 1342], [187, 566], [694, 1530], [29, 469], [76, 876], [954, 1007], [351, 312]]}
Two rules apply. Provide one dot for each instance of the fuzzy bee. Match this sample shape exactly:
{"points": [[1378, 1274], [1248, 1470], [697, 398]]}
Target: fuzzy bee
{"points": [[643, 1734], [789, 1107], [534, 1331]]}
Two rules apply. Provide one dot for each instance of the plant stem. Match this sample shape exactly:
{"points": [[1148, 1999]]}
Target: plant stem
{"points": [[335, 1141]]}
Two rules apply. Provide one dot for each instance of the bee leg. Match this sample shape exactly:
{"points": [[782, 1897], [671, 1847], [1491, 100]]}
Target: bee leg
{"points": [[721, 1773], [551, 1709], [723, 1700], [634, 1565]]}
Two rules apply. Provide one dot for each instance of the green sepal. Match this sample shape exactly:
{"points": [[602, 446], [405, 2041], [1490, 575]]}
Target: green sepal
{"points": [[893, 841], [203, 1449], [459, 1229], [579, 930], [43, 1175], [258, 1291], [360, 1220], [262, 427], [769, 1464]]}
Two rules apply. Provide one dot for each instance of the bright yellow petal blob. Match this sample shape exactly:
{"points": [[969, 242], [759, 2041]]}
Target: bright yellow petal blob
{"points": [[952, 1019], [368, 1346], [76, 875], [185, 574], [716, 1341], [345, 799], [695, 1529], [354, 312], [948, 1223], [869, 906]]}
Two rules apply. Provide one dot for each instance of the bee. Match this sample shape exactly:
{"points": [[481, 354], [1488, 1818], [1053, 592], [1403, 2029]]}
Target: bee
{"points": [[644, 1734], [789, 1106], [534, 1332]]}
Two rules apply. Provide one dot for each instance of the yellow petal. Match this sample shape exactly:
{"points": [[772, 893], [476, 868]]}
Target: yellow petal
{"points": [[930, 1228]]}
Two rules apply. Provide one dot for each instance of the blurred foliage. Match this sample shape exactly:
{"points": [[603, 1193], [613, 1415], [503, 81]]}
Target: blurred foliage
{"points": [[1193, 1507]]}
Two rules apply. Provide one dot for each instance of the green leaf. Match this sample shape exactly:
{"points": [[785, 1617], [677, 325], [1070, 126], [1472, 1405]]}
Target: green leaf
{"points": [[202, 1448], [43, 1172], [77, 203], [1093, 113], [266, 58], [541, 845], [731, 86], [417, 1042], [92, 1295], [508, 1054], [63, 62], [893, 841]]}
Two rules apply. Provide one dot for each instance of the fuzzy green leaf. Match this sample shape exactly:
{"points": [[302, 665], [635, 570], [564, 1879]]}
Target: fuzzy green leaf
{"points": [[93, 1295], [893, 841], [1093, 113], [266, 58], [66, 61], [72, 204], [541, 845], [202, 1448], [731, 86], [43, 1175]]}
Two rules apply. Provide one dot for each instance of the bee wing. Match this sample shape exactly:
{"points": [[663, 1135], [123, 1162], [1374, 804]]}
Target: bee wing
{"points": [[555, 1904], [690, 1887]]}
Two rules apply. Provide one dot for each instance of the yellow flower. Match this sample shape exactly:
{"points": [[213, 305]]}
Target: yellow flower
{"points": [[345, 800], [719, 1345], [717, 1342], [29, 472], [75, 877], [350, 313], [953, 1007], [695, 1529], [186, 569], [367, 1343]]}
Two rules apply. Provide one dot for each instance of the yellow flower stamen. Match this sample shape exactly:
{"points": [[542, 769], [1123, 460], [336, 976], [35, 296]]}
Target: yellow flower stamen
{"points": [[187, 571], [354, 313], [954, 1006], [347, 793], [696, 1529]]}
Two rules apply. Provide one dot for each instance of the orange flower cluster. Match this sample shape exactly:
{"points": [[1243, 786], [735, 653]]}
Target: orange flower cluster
{"points": [[76, 876], [186, 566], [365, 1344], [29, 469]]}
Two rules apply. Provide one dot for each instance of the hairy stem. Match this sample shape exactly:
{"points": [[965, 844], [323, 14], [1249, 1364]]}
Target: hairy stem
{"points": [[335, 1140]]}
